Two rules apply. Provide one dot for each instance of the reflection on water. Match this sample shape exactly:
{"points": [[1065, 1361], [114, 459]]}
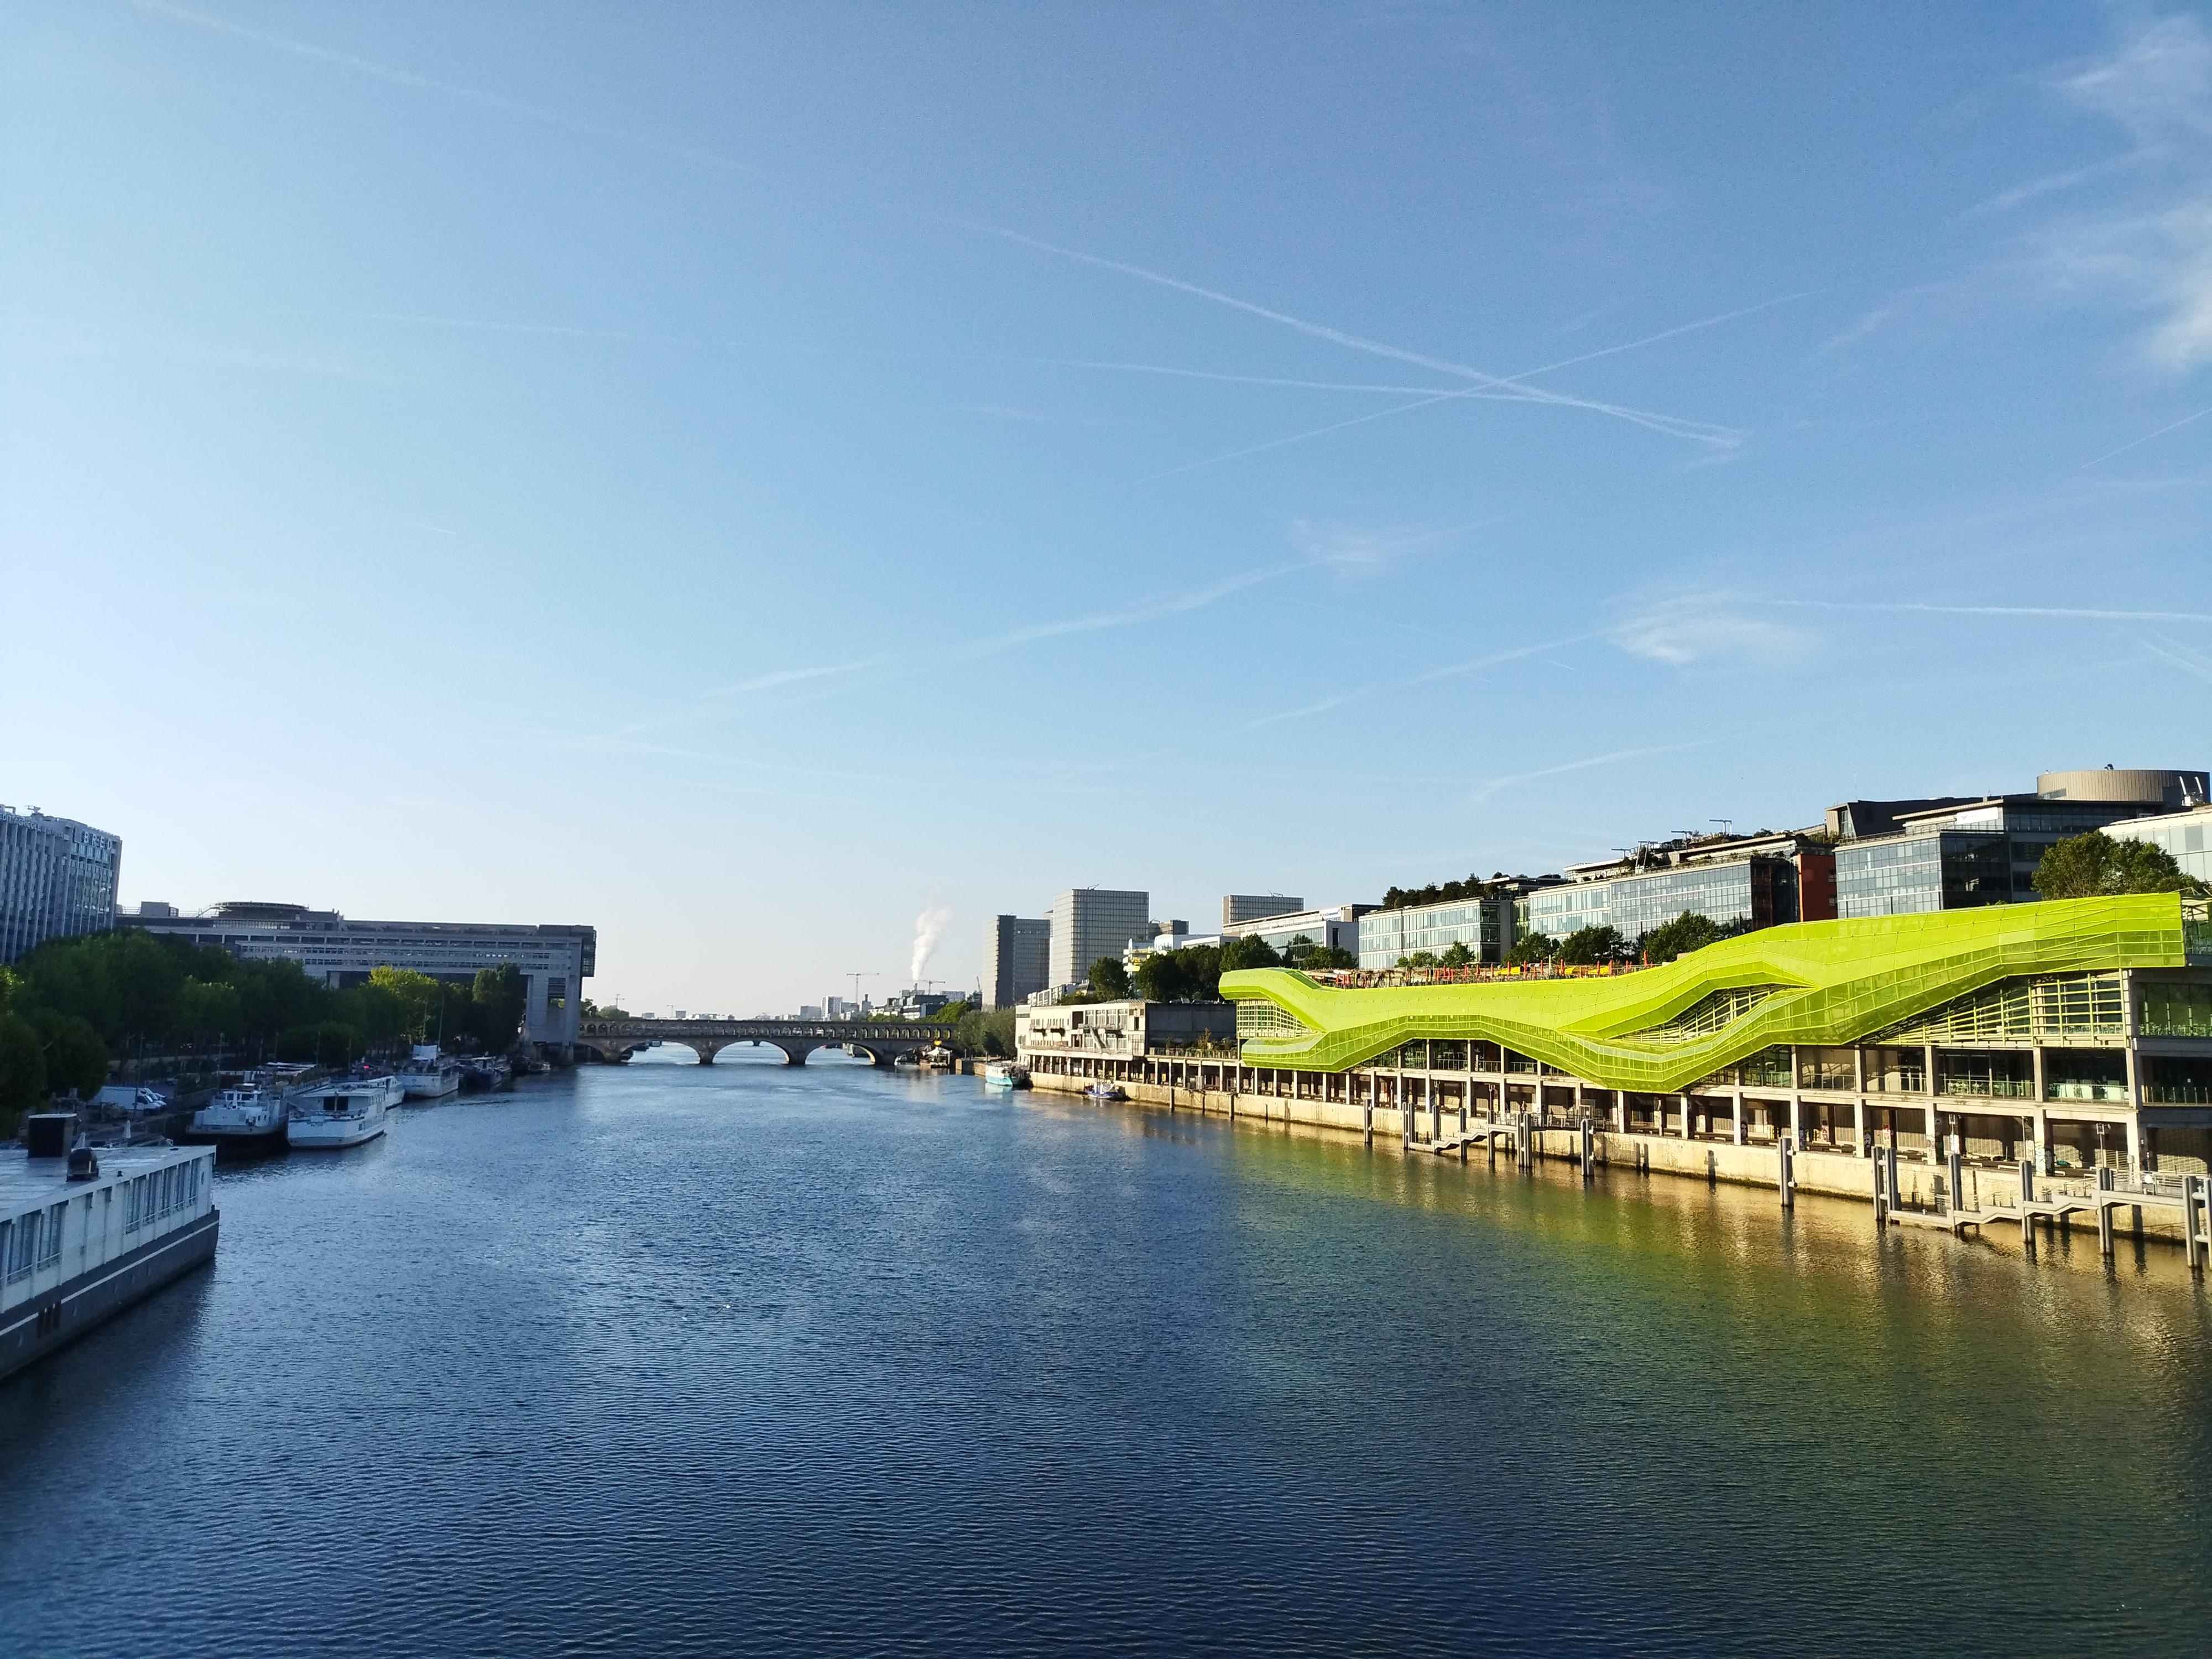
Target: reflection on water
{"points": [[712, 1359]]}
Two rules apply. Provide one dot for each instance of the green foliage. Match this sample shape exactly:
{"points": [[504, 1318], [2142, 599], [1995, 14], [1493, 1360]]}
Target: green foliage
{"points": [[328, 1042], [22, 1070], [417, 995], [1456, 955], [1531, 948], [1588, 946], [1420, 959], [1403, 898], [951, 1012], [984, 1031], [1190, 975], [591, 1009], [1248, 951], [497, 1002], [1688, 932], [2099, 866], [1108, 978], [75, 1058]]}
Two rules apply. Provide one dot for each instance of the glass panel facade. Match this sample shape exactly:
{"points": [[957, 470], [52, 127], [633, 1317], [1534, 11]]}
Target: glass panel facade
{"points": [[1559, 911], [1478, 924], [1952, 869], [2073, 1004], [2177, 1011], [2085, 1074]]}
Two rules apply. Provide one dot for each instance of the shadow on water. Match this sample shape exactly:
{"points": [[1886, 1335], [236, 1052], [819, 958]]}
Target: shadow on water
{"points": [[737, 1357]]}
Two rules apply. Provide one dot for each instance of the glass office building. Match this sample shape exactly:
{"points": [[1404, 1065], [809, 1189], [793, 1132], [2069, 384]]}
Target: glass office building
{"points": [[57, 880], [1955, 859], [1484, 926], [1738, 893], [2186, 836]]}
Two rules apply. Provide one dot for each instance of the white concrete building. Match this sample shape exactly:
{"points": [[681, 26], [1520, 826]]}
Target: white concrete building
{"points": [[554, 959], [1091, 923]]}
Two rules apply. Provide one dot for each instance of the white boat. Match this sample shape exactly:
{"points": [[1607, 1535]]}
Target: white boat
{"points": [[1006, 1074], [344, 1112], [248, 1117], [429, 1075]]}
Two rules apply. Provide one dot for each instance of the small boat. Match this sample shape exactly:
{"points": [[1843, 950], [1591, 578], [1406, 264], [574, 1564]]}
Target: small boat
{"points": [[248, 1118], [1107, 1092], [429, 1075], [937, 1059], [344, 1112], [1006, 1074], [485, 1072]]}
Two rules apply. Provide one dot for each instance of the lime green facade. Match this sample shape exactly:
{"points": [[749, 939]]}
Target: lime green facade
{"points": [[1661, 1029]]}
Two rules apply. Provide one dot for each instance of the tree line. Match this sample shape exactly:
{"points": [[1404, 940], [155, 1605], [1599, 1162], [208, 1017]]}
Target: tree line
{"points": [[72, 1006]]}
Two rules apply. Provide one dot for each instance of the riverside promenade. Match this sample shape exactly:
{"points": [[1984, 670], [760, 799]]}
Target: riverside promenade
{"points": [[1960, 1070]]}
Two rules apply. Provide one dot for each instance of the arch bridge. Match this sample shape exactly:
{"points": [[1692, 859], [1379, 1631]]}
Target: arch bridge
{"points": [[881, 1041]]}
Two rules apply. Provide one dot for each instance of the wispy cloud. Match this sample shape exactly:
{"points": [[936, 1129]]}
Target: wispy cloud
{"points": [[2153, 252], [1700, 627], [557, 330], [1034, 416]]}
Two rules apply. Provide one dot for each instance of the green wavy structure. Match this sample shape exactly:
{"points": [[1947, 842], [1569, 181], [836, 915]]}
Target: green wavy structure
{"points": [[1826, 982]]}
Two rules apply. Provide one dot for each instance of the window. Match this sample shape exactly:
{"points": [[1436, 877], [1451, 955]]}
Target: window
{"points": [[49, 1240], [2182, 1011], [22, 1241]]}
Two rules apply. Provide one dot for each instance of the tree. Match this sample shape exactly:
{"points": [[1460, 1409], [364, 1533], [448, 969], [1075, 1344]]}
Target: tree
{"points": [[2099, 866], [75, 1058], [1532, 948], [497, 1002], [417, 992], [1160, 977], [22, 1069], [1588, 946], [951, 1012], [329, 1042], [1108, 978], [1420, 959], [1456, 955], [986, 1031], [1688, 932], [1248, 951], [206, 1008]]}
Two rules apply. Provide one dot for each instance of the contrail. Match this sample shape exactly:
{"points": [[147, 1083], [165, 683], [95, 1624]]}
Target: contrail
{"points": [[1673, 426], [2145, 438], [416, 83], [1667, 334], [1492, 787], [2049, 612]]}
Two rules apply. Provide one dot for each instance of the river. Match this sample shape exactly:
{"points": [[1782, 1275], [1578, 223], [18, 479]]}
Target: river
{"points": [[707, 1360]]}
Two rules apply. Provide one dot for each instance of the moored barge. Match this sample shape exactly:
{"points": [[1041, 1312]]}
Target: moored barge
{"points": [[85, 1233]]}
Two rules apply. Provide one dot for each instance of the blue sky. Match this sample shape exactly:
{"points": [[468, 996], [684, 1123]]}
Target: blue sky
{"points": [[750, 477]]}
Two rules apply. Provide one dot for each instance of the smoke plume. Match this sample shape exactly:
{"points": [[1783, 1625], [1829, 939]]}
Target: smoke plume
{"points": [[928, 928]]}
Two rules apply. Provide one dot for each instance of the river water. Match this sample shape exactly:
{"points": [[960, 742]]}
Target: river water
{"points": [[711, 1360]]}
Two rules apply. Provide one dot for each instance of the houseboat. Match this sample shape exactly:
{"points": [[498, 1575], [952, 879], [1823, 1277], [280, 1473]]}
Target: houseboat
{"points": [[86, 1232], [429, 1075], [344, 1112]]}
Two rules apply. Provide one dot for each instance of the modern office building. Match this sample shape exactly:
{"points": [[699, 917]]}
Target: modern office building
{"points": [[1016, 960], [1740, 881], [2186, 836], [1091, 923], [554, 959], [1485, 925], [1337, 925], [1957, 854], [57, 880], [1254, 907]]}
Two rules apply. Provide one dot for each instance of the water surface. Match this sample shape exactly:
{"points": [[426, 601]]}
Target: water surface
{"points": [[682, 1359]]}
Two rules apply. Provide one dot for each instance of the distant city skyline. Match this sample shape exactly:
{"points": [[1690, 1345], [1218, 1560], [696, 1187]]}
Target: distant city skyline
{"points": [[740, 481]]}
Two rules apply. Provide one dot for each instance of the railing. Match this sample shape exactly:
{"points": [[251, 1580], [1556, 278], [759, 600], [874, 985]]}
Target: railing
{"points": [[1369, 979], [1996, 1088]]}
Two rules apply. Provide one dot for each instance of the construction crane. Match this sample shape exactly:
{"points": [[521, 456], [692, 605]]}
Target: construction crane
{"points": [[856, 975]]}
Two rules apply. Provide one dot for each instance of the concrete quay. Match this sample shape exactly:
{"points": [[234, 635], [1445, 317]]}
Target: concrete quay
{"points": [[1955, 1195]]}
